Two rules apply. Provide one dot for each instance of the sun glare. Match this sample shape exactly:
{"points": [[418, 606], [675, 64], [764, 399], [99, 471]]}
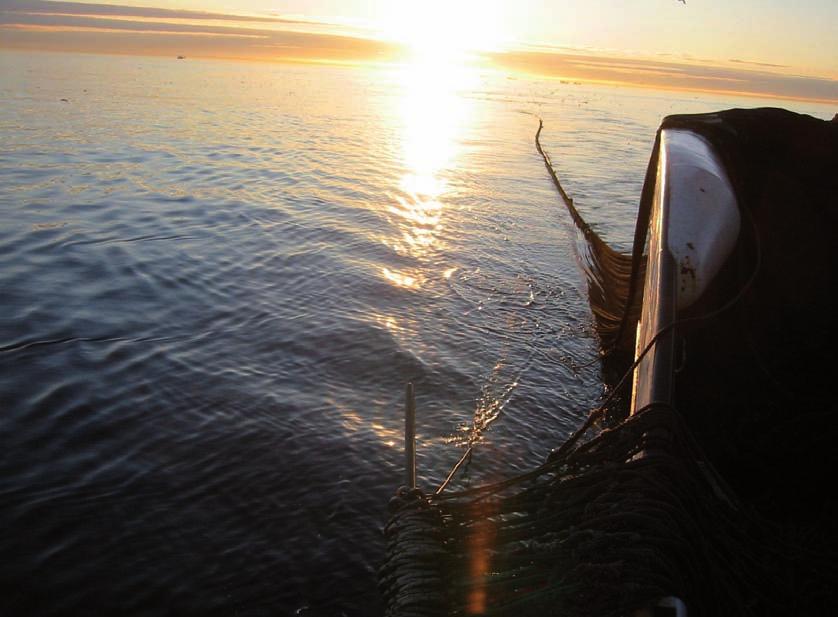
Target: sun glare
{"points": [[445, 30], [433, 111]]}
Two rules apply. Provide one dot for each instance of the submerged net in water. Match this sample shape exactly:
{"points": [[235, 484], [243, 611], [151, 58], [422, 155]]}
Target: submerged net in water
{"points": [[613, 277]]}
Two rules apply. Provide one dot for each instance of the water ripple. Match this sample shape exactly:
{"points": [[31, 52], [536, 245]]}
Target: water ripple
{"points": [[217, 279]]}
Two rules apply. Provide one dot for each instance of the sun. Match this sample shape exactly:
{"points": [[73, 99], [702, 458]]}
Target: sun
{"points": [[445, 29]]}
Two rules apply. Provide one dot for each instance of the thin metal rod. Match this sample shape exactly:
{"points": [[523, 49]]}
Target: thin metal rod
{"points": [[410, 435]]}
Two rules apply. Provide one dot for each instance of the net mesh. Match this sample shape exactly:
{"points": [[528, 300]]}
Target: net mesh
{"points": [[631, 514]]}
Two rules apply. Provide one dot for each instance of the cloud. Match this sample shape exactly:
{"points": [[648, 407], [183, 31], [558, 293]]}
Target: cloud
{"points": [[80, 22], [666, 74], [288, 46], [74, 26], [103, 28], [108, 10], [767, 64]]}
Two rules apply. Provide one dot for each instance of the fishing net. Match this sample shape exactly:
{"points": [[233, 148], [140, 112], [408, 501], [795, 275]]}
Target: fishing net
{"points": [[612, 276], [630, 510], [628, 515]]}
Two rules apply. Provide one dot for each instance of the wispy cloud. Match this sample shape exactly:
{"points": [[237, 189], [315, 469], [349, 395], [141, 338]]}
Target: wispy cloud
{"points": [[47, 7], [670, 74], [763, 64], [76, 26], [68, 22]]}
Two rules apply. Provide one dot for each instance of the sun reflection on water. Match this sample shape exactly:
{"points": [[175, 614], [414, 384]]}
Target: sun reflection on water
{"points": [[353, 423], [400, 280], [433, 114]]}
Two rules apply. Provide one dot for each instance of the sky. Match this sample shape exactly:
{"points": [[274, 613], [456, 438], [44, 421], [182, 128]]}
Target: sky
{"points": [[762, 47]]}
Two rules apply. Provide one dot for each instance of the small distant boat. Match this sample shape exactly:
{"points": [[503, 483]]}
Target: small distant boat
{"points": [[181, 57]]}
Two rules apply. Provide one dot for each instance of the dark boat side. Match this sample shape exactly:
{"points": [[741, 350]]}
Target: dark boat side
{"points": [[749, 364], [755, 383]]}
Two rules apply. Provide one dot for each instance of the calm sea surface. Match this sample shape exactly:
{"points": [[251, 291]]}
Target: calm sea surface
{"points": [[218, 277]]}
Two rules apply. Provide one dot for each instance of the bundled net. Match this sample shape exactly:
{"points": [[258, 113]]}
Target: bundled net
{"points": [[610, 524]]}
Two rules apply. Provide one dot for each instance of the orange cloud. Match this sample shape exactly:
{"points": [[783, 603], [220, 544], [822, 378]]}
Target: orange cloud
{"points": [[102, 28], [56, 7], [672, 75], [77, 27]]}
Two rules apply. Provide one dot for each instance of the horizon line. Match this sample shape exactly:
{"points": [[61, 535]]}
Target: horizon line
{"points": [[59, 26]]}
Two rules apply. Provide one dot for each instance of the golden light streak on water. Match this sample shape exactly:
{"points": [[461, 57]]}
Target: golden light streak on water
{"points": [[434, 115], [352, 422], [399, 279]]}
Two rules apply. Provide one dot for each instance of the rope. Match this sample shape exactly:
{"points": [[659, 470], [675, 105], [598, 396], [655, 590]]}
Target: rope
{"points": [[591, 236], [597, 413], [613, 520], [612, 276]]}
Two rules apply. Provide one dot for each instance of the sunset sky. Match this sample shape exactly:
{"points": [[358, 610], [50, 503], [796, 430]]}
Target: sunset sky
{"points": [[765, 47]]}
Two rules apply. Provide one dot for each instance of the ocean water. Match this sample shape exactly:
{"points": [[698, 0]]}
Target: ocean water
{"points": [[216, 280]]}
